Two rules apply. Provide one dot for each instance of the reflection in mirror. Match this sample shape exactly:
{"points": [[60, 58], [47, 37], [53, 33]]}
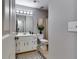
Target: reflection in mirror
{"points": [[24, 23], [20, 21]]}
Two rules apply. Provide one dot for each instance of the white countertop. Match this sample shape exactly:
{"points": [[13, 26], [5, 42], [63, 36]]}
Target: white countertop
{"points": [[44, 40], [25, 34]]}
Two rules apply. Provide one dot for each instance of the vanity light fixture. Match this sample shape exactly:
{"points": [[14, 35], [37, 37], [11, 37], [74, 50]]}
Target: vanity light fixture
{"points": [[28, 12], [31, 12]]}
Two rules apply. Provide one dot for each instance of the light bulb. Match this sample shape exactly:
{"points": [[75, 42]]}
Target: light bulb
{"points": [[25, 12], [31, 12], [28, 12], [17, 11], [21, 11]]}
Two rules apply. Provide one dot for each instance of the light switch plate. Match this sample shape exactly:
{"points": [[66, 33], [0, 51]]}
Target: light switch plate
{"points": [[72, 26]]}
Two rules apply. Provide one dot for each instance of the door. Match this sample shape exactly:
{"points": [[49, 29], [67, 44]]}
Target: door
{"points": [[8, 27], [46, 28]]}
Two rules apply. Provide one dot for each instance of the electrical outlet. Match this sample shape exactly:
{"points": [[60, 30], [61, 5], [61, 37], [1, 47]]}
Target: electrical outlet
{"points": [[72, 26]]}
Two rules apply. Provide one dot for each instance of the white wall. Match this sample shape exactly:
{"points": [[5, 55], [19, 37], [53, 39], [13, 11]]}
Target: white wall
{"points": [[62, 44], [37, 13]]}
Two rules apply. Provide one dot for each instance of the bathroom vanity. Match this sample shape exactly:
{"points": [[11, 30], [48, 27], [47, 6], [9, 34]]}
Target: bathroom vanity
{"points": [[25, 42]]}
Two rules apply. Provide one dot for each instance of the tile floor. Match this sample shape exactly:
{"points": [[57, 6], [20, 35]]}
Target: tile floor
{"points": [[31, 55]]}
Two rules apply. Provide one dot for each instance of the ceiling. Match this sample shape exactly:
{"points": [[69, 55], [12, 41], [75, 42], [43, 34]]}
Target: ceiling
{"points": [[43, 4]]}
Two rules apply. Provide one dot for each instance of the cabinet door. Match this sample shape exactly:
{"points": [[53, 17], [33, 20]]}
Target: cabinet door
{"points": [[27, 44], [17, 45], [24, 44], [35, 44], [32, 43], [21, 40], [20, 44]]}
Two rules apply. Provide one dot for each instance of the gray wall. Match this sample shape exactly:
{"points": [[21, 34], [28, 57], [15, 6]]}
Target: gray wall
{"points": [[37, 13], [8, 17], [9, 26], [62, 44]]}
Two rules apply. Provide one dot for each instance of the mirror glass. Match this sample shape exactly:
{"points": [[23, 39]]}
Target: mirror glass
{"points": [[24, 23]]}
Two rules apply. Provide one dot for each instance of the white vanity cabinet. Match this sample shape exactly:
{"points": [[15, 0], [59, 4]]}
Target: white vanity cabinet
{"points": [[26, 43]]}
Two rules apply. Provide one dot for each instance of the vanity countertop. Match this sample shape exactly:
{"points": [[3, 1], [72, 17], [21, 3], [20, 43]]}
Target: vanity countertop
{"points": [[25, 34]]}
